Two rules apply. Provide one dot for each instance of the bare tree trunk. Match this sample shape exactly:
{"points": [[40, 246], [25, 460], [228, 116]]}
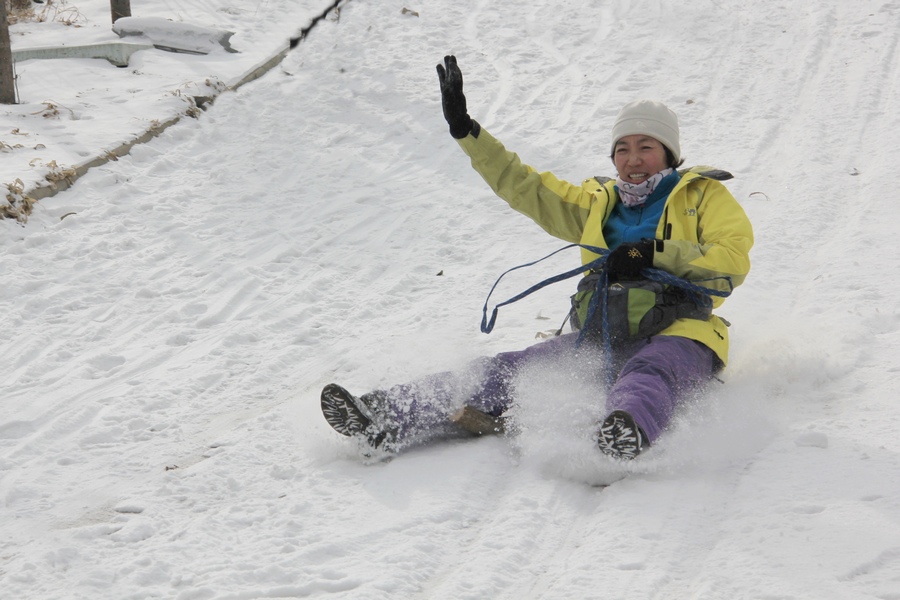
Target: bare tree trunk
{"points": [[7, 80], [120, 8]]}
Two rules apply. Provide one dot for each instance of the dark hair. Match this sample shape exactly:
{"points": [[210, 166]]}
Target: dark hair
{"points": [[670, 159]]}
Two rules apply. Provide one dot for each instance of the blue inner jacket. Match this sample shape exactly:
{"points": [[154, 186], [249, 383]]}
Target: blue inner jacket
{"points": [[638, 223]]}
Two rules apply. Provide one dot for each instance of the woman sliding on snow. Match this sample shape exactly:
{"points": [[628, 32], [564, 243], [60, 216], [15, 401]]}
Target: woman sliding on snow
{"points": [[651, 221]]}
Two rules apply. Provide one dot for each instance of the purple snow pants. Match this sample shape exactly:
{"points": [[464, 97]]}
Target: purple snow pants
{"points": [[653, 377]]}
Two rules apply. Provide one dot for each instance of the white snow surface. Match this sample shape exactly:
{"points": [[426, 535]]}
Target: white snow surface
{"points": [[170, 319]]}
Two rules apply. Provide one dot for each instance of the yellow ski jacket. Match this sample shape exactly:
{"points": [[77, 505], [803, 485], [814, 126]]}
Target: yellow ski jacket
{"points": [[705, 232]]}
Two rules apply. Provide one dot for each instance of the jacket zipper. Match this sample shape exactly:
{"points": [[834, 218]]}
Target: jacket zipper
{"points": [[667, 228]]}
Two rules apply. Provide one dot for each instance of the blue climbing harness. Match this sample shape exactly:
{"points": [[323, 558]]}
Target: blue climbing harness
{"points": [[638, 308]]}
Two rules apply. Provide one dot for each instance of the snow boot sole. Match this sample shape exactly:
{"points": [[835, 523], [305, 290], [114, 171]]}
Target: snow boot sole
{"points": [[620, 437], [346, 414]]}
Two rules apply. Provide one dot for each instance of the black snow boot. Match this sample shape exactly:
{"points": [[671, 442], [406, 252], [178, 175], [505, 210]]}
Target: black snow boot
{"points": [[620, 437], [356, 417]]}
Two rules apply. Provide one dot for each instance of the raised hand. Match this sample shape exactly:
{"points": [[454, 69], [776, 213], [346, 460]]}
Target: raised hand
{"points": [[453, 100]]}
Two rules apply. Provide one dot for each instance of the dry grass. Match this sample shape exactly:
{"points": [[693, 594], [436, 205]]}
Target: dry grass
{"points": [[17, 206], [52, 10], [18, 10]]}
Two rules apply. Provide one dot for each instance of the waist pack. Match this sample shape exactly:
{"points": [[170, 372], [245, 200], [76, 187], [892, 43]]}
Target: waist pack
{"points": [[635, 309]]}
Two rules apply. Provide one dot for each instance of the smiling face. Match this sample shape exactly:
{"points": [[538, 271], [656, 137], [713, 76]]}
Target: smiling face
{"points": [[639, 157]]}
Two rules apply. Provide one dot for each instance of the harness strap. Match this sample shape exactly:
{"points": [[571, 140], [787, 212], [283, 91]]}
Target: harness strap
{"points": [[699, 294], [488, 325]]}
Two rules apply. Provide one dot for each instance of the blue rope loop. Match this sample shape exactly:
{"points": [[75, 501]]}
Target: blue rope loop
{"points": [[488, 325], [700, 294]]}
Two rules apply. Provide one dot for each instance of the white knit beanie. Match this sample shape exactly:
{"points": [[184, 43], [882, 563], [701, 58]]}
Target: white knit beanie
{"points": [[651, 118]]}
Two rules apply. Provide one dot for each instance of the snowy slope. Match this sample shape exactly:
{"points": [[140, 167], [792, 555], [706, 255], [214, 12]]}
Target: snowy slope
{"points": [[166, 341]]}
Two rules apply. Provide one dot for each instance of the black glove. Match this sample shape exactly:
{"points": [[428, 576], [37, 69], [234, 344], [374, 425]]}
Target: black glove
{"points": [[630, 258], [452, 98]]}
